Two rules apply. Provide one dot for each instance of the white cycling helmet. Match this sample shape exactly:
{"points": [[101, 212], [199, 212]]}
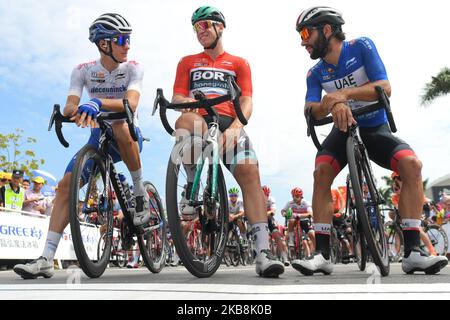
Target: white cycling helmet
{"points": [[319, 15]]}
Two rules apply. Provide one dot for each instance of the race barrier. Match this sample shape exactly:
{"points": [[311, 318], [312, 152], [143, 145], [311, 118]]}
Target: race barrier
{"points": [[23, 235]]}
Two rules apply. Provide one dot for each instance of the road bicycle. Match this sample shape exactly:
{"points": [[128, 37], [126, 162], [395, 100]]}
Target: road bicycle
{"points": [[435, 233], [207, 194], [368, 210], [93, 181], [297, 251]]}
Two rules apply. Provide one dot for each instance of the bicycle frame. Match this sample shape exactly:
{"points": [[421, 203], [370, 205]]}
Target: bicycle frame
{"points": [[213, 128], [212, 139]]}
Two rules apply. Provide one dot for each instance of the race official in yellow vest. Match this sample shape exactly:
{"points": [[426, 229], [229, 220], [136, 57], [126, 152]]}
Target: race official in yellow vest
{"points": [[12, 195]]}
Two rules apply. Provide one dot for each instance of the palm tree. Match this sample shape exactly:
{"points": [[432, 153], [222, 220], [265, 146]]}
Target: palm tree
{"points": [[439, 85], [386, 192]]}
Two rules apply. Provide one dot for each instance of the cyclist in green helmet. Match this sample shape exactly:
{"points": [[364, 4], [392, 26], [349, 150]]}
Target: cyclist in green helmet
{"points": [[236, 210], [208, 72], [209, 13]]}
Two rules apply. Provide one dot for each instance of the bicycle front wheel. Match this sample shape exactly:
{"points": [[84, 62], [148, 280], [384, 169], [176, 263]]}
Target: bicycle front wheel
{"points": [[90, 206], [368, 206], [152, 244], [210, 216]]}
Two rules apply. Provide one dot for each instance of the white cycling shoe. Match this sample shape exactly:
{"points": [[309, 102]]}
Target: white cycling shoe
{"points": [[314, 265], [267, 265], [142, 214], [36, 268], [419, 260]]}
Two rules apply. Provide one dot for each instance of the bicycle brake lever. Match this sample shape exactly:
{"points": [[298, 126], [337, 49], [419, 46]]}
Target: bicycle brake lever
{"points": [[157, 99]]}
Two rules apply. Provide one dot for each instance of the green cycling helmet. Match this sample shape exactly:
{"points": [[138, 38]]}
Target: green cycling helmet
{"points": [[208, 13], [233, 190]]}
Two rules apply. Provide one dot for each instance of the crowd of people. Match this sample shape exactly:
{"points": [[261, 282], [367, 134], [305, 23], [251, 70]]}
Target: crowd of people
{"points": [[20, 194]]}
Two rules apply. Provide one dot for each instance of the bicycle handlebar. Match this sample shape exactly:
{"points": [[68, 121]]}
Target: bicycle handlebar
{"points": [[58, 119], [203, 103], [383, 103]]}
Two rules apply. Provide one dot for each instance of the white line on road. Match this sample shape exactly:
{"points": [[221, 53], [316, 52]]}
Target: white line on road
{"points": [[223, 292]]}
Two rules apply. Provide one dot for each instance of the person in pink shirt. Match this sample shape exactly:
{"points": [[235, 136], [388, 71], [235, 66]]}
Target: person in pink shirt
{"points": [[34, 199]]}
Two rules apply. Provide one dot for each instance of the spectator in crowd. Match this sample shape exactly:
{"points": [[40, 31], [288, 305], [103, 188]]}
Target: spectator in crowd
{"points": [[48, 203], [3, 179], [26, 184], [34, 199], [446, 207], [12, 195]]}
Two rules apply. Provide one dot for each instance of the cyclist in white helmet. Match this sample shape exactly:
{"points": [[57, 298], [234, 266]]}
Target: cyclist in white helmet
{"points": [[108, 81]]}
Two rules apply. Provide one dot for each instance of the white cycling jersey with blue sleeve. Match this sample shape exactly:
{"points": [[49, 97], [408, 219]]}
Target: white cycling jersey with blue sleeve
{"points": [[102, 84]]}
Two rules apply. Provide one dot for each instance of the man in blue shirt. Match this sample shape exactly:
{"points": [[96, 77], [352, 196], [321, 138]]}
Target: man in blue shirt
{"points": [[349, 72]]}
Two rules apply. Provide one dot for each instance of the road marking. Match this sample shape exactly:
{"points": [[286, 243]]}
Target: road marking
{"points": [[224, 292]]}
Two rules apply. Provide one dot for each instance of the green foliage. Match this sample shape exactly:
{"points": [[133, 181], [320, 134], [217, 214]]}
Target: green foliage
{"points": [[439, 85], [387, 192], [15, 153]]}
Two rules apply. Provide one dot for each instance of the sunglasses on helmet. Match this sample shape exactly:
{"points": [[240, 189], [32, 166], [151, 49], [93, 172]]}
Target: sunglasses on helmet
{"points": [[121, 40]]}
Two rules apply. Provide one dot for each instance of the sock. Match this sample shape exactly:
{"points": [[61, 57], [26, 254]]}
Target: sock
{"points": [[190, 172], [323, 232], [260, 233], [51, 244], [136, 176], [291, 237], [411, 234]]}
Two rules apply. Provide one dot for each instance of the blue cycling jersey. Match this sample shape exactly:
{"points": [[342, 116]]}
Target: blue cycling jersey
{"points": [[359, 63]]}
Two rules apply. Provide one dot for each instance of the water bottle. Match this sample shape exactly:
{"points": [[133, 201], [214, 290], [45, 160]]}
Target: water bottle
{"points": [[125, 186], [289, 213]]}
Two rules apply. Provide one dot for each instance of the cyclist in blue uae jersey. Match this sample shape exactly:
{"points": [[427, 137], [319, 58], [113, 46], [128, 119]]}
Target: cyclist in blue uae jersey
{"points": [[348, 73], [108, 81]]}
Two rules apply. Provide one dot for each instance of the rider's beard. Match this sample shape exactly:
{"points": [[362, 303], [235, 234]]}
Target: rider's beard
{"points": [[320, 47]]}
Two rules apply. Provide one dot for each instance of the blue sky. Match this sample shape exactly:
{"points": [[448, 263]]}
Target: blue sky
{"points": [[44, 40]]}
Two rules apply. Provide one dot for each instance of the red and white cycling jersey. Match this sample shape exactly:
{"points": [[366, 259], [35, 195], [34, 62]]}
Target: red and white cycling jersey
{"points": [[200, 72], [270, 204], [298, 208]]}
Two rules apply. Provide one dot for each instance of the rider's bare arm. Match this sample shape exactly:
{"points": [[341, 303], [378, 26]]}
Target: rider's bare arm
{"points": [[179, 98], [71, 107], [116, 105], [247, 109], [366, 92]]}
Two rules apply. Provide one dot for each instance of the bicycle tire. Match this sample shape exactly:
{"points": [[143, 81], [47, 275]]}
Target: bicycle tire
{"points": [[359, 244], [300, 251], [359, 172], [361, 254], [443, 248], [334, 247], [396, 231], [96, 267], [152, 244], [195, 266]]}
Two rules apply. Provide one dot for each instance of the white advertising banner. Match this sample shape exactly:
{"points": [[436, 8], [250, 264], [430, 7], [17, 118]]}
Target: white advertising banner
{"points": [[23, 237]]}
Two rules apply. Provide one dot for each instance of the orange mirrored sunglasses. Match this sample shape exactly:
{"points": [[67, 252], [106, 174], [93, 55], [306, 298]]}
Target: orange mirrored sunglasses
{"points": [[203, 25], [305, 32]]}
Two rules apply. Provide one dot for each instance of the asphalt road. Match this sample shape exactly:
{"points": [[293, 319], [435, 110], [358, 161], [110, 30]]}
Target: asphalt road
{"points": [[176, 283]]}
